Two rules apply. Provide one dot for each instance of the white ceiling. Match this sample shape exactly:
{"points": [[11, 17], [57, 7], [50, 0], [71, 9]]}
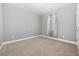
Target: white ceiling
{"points": [[40, 8]]}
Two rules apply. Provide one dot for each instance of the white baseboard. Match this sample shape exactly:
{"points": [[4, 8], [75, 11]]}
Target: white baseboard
{"points": [[5, 43], [59, 39], [8, 42]]}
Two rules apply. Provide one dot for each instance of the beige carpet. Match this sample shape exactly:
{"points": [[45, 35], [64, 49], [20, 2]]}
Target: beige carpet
{"points": [[39, 46]]}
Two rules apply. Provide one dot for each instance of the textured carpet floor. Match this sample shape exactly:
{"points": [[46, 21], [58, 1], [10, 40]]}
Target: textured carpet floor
{"points": [[39, 46]]}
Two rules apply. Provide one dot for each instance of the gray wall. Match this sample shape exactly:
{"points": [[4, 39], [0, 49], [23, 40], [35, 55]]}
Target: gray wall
{"points": [[1, 24], [77, 24], [67, 18], [66, 22], [44, 24], [20, 23]]}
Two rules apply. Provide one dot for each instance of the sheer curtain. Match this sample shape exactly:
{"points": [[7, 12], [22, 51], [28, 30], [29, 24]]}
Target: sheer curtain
{"points": [[52, 26]]}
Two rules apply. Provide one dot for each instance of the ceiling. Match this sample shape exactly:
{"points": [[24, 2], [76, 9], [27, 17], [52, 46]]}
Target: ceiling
{"points": [[40, 8]]}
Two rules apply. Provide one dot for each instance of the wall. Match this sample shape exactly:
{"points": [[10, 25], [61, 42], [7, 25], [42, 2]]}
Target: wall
{"points": [[66, 17], [20, 23], [1, 24], [44, 24], [77, 24], [66, 22]]}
